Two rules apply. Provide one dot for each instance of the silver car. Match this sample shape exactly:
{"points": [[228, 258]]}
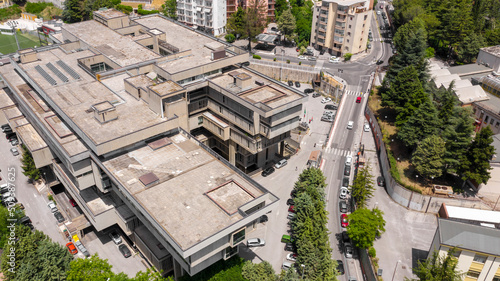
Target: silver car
{"points": [[14, 151], [256, 242], [281, 163], [115, 237]]}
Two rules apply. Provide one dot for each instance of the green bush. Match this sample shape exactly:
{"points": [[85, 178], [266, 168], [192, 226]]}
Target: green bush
{"points": [[50, 197], [372, 252], [347, 56], [230, 38], [300, 63], [287, 61], [10, 12], [257, 57], [274, 59], [36, 8], [429, 53], [124, 8], [142, 12]]}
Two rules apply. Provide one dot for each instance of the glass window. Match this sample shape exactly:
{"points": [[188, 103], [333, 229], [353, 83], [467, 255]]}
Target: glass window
{"points": [[200, 120], [238, 236], [486, 119], [492, 120], [480, 258], [230, 251]]}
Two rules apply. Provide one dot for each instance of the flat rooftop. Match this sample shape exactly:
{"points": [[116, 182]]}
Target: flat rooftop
{"points": [[110, 13], [195, 195], [270, 94], [191, 40], [76, 97], [123, 50], [494, 50], [493, 103]]}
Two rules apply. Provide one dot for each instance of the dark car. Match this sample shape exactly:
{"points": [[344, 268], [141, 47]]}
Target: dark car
{"points": [[72, 202], [264, 218], [345, 182], [331, 107], [124, 250], [345, 237], [267, 171], [343, 206], [347, 170], [380, 181], [308, 91], [290, 201], [290, 83], [340, 267], [380, 62], [58, 217], [290, 247], [10, 135], [315, 95], [293, 193], [297, 84]]}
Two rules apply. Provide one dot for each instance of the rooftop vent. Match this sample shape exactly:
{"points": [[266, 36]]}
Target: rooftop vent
{"points": [[149, 179], [259, 82], [104, 112]]}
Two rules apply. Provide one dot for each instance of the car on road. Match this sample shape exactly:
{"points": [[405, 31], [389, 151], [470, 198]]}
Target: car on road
{"points": [[380, 181], [124, 250], [366, 128], [71, 248], [348, 250], [379, 12], [308, 91], [282, 163], [325, 100], [14, 151], [358, 100], [290, 83], [334, 59], [379, 62], [343, 193], [59, 217], [297, 84], [340, 267], [369, 46], [343, 220], [286, 265], [72, 202], [115, 237], [302, 58], [347, 170], [52, 206], [331, 107], [267, 171], [81, 248], [315, 95], [312, 58], [343, 206], [293, 193], [327, 118], [290, 201], [256, 242], [291, 256], [350, 124], [348, 160]]}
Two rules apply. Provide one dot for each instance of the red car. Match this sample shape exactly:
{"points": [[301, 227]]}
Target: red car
{"points": [[358, 100], [72, 202], [343, 220], [291, 208], [71, 248]]}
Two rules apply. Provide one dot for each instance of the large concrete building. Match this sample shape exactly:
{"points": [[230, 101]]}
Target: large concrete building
{"points": [[341, 26], [143, 123]]}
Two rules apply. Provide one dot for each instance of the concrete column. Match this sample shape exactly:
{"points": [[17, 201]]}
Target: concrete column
{"points": [[178, 271], [232, 152], [282, 148]]}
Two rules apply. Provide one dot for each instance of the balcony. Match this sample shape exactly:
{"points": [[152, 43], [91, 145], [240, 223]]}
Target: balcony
{"points": [[215, 125], [244, 140], [340, 12]]}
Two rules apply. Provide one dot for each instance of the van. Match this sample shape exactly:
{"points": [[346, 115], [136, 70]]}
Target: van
{"points": [[350, 124]]}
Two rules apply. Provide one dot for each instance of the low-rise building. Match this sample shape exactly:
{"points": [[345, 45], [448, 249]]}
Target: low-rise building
{"points": [[490, 56]]}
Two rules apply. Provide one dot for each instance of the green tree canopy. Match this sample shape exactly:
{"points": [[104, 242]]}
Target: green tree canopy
{"points": [[170, 9], [28, 165], [476, 164], [286, 24], [469, 47], [364, 226], [236, 23], [457, 135], [439, 268], [423, 123], [362, 187], [258, 271], [428, 157]]}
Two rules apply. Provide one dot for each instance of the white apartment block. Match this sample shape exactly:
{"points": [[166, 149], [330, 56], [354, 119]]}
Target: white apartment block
{"points": [[341, 26], [204, 15]]}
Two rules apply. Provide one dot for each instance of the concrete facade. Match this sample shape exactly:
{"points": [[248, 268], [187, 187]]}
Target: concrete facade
{"points": [[341, 26], [128, 117], [490, 56]]}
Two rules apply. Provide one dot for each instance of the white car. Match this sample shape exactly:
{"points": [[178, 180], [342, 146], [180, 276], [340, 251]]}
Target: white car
{"points": [[350, 124], [291, 257], [325, 100], [14, 151], [281, 163], [302, 58], [343, 193], [334, 59], [366, 128], [52, 206], [378, 12], [256, 242]]}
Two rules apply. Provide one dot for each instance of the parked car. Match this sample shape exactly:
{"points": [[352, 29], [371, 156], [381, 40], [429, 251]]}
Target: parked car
{"points": [[343, 206], [59, 217], [290, 201], [297, 84], [52, 206], [290, 83], [263, 218], [331, 107], [256, 242], [27, 222], [369, 46], [379, 12], [315, 95], [291, 209], [291, 256], [308, 91], [302, 58], [14, 142], [340, 267], [345, 182], [380, 62], [344, 236], [81, 248], [9, 135], [267, 171], [343, 220], [325, 100], [115, 237], [290, 247], [14, 151], [71, 248], [348, 250], [350, 125], [281, 163], [287, 239], [124, 250], [327, 118], [366, 128], [286, 265], [291, 215], [347, 170], [380, 181], [6, 127], [293, 193], [343, 193], [312, 58], [72, 202], [334, 59]]}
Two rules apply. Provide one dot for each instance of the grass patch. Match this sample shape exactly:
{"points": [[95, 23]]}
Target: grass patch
{"points": [[8, 42]]}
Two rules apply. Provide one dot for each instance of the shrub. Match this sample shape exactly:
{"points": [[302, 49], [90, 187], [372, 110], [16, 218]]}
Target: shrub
{"points": [[51, 198], [36, 8], [124, 8], [10, 12], [347, 56], [300, 63], [287, 61], [274, 59], [230, 38], [372, 252], [140, 11], [429, 53], [257, 57]]}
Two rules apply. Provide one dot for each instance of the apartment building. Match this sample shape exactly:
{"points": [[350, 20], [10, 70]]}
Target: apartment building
{"points": [[145, 132], [5, 3], [232, 7], [205, 15], [341, 26], [477, 248]]}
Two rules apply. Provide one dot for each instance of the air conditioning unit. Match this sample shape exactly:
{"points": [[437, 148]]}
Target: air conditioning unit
{"points": [[442, 189]]}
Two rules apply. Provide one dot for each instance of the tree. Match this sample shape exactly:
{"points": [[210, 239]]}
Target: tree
{"points": [[28, 165], [428, 157], [469, 48], [235, 23], [170, 9], [423, 123], [439, 268], [73, 11], [457, 135], [15, 214], [258, 272], [286, 24], [364, 226], [280, 7], [93, 268], [476, 164], [362, 187], [255, 20]]}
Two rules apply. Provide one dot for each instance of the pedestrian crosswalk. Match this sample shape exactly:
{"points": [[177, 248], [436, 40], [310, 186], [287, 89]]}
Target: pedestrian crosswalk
{"points": [[353, 93], [338, 151]]}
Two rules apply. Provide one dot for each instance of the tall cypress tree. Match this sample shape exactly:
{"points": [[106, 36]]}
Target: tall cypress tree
{"points": [[476, 164]]}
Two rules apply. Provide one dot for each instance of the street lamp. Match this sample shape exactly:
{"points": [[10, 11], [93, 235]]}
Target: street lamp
{"points": [[303, 268]]}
